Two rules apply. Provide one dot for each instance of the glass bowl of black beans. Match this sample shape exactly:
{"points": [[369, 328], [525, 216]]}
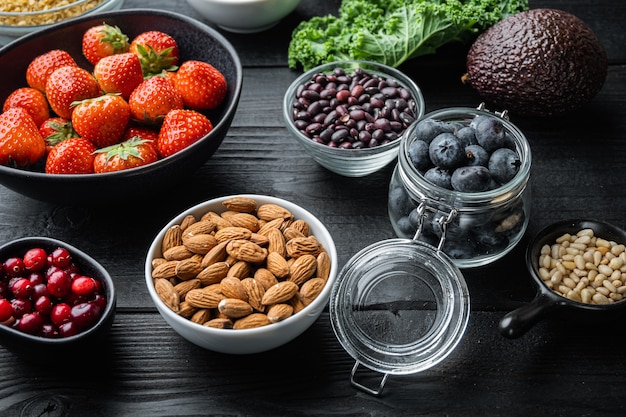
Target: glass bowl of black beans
{"points": [[350, 115]]}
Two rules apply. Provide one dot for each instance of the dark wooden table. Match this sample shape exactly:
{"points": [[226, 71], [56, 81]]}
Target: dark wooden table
{"points": [[559, 368]]}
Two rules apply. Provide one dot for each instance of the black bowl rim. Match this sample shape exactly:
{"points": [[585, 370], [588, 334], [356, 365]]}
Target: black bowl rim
{"points": [[9, 249], [229, 111]]}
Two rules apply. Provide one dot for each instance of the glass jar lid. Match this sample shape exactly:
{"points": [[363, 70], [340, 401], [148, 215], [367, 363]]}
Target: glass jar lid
{"points": [[399, 307]]}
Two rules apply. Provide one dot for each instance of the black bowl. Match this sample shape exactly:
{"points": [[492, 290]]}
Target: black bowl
{"points": [[33, 345], [546, 301], [195, 41]]}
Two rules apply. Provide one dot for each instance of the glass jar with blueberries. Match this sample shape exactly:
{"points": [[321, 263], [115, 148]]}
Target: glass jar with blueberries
{"points": [[460, 184]]}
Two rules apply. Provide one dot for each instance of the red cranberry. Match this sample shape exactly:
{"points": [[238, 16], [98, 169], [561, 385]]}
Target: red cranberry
{"points": [[13, 267], [60, 257], [21, 307], [59, 283], [60, 314], [40, 290], [84, 286], [36, 278], [85, 314], [43, 305], [67, 329], [21, 288], [100, 300], [4, 289], [30, 323], [6, 310], [35, 259], [49, 330]]}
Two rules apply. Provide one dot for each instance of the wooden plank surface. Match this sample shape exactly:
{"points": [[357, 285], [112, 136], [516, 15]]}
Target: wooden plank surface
{"points": [[560, 368]]}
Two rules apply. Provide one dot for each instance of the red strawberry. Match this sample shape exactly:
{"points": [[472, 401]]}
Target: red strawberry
{"points": [[153, 99], [120, 73], [157, 51], [72, 156], [180, 129], [21, 144], [201, 85], [55, 130], [103, 40], [42, 66], [30, 99], [67, 85], [142, 132], [101, 120], [131, 153]]}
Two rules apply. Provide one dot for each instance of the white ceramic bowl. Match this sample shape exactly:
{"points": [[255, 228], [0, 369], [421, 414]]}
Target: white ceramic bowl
{"points": [[349, 162], [244, 16], [44, 18], [245, 341]]}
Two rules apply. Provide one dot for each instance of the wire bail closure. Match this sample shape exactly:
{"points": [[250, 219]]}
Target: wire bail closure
{"points": [[442, 222]]}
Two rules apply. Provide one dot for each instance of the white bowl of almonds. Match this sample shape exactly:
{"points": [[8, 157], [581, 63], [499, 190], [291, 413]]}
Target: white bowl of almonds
{"points": [[241, 274]]}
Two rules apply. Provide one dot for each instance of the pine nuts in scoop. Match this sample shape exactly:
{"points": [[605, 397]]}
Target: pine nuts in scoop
{"points": [[585, 268]]}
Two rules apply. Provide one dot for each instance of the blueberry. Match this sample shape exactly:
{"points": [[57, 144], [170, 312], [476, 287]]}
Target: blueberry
{"points": [[439, 177], [471, 179], [487, 236], [446, 151], [418, 154], [490, 134], [428, 129], [476, 155], [399, 201], [405, 227], [504, 164], [466, 136]]}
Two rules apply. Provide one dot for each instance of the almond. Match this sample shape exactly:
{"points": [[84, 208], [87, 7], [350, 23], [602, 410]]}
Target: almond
{"points": [[246, 220], [279, 312], [259, 239], [201, 227], [213, 273], [302, 269], [280, 293], [177, 253], [264, 277], [173, 237], [323, 265], [276, 242], [203, 299], [200, 243], [233, 288], [277, 265], [252, 321], [187, 221], [201, 316], [311, 289], [220, 323], [299, 246], [188, 268], [219, 221], [216, 254], [186, 310], [301, 226], [234, 308], [165, 270], [240, 204], [271, 224], [232, 233], [167, 294], [247, 251], [271, 211], [184, 287], [291, 233], [241, 270], [255, 292]]}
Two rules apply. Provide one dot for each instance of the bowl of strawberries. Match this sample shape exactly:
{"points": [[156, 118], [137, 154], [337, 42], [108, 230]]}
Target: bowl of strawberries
{"points": [[114, 107]]}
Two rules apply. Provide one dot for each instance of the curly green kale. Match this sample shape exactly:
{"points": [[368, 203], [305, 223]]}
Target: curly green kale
{"points": [[393, 31]]}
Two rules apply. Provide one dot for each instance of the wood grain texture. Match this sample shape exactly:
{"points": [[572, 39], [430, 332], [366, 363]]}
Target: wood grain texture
{"points": [[560, 368]]}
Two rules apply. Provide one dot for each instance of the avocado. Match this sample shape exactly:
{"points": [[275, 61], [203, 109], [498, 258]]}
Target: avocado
{"points": [[540, 62]]}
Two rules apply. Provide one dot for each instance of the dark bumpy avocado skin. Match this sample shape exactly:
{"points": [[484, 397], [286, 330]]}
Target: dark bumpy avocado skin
{"points": [[542, 62]]}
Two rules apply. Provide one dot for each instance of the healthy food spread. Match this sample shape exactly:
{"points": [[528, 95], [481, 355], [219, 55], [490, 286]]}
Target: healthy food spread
{"points": [[584, 267], [249, 266]]}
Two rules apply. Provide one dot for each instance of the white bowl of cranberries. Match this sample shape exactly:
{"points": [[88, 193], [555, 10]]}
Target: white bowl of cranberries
{"points": [[114, 107], [52, 294]]}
